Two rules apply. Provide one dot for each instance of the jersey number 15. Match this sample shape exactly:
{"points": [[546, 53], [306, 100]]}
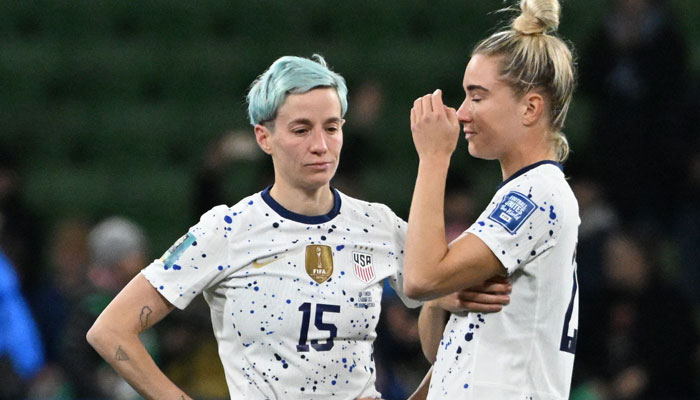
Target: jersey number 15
{"points": [[320, 325]]}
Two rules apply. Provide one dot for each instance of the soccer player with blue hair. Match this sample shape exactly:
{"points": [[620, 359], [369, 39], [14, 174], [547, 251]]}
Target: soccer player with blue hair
{"points": [[293, 275]]}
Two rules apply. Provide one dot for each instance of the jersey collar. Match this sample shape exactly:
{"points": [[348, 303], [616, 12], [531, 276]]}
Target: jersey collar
{"points": [[304, 219], [528, 168]]}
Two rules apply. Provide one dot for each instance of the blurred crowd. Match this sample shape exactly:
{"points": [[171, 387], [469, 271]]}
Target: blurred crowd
{"points": [[636, 177]]}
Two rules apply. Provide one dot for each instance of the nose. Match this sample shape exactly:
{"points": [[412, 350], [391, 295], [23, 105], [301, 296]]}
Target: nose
{"points": [[464, 113], [318, 141]]}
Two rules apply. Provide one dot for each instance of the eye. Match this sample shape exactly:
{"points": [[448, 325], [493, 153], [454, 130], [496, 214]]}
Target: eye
{"points": [[332, 129], [300, 131]]}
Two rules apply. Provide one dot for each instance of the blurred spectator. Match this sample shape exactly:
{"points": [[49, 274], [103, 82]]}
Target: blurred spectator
{"points": [[54, 297], [218, 157], [21, 352], [635, 71], [361, 149], [637, 338], [118, 250], [68, 258], [460, 206], [20, 236], [189, 352], [688, 232], [598, 221]]}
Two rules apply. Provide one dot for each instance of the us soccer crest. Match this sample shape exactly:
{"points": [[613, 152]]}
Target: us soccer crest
{"points": [[319, 262], [363, 267]]}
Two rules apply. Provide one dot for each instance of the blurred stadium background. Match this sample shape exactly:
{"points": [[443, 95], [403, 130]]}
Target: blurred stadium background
{"points": [[108, 107]]}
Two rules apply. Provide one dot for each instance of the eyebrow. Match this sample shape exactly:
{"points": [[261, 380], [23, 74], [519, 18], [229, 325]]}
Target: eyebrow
{"points": [[472, 88], [307, 121]]}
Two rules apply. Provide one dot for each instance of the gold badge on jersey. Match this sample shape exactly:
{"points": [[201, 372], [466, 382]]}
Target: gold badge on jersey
{"points": [[319, 262]]}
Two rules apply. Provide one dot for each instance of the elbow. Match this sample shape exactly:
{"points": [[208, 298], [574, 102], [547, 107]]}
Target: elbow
{"points": [[94, 336], [98, 337], [417, 288], [430, 355]]}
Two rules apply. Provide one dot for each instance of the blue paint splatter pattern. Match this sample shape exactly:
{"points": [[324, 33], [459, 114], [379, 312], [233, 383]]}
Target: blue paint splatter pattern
{"points": [[516, 352], [291, 326]]}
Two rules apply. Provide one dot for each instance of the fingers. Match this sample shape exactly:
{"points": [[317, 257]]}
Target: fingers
{"points": [[451, 115], [484, 298], [498, 279], [436, 100], [418, 108], [430, 103], [427, 104], [481, 307], [494, 285], [492, 288], [413, 117]]}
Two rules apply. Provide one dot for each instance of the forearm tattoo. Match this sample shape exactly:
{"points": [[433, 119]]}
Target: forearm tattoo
{"points": [[145, 314], [121, 355]]}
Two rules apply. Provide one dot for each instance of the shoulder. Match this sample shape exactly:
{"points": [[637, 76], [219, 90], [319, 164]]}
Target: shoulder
{"points": [[545, 185], [367, 209], [224, 215]]}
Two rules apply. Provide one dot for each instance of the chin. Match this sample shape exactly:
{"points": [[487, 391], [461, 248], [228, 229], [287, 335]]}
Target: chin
{"points": [[318, 182]]}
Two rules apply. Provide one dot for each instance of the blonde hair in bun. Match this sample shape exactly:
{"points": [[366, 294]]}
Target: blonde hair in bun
{"points": [[538, 16], [533, 58]]}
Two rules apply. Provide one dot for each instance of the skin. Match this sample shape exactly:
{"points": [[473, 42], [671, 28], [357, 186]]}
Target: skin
{"points": [[499, 125], [304, 142], [305, 147]]}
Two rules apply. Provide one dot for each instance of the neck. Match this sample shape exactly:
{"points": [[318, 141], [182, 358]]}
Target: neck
{"points": [[310, 202], [521, 158]]}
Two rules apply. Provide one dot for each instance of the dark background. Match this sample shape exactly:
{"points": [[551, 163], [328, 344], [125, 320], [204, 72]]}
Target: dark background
{"points": [[108, 108]]}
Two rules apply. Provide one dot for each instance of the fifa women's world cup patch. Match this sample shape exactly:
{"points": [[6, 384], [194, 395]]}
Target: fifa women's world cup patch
{"points": [[319, 262], [363, 267], [175, 251], [513, 210]]}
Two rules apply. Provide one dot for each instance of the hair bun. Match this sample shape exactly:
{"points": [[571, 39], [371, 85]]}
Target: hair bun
{"points": [[538, 16]]}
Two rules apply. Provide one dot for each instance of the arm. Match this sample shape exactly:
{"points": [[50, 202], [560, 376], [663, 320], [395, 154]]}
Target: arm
{"points": [[115, 336], [431, 325], [430, 268]]}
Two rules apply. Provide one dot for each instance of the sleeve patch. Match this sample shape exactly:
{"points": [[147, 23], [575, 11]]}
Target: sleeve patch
{"points": [[176, 250], [513, 210]]}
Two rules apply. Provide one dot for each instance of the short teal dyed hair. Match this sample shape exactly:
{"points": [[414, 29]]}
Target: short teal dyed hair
{"points": [[291, 75]]}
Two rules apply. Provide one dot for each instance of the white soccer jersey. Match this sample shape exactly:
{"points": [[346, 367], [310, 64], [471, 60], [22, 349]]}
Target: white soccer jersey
{"points": [[294, 299], [526, 351]]}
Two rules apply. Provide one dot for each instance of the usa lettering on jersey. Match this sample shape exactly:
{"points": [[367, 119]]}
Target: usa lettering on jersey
{"points": [[363, 267]]}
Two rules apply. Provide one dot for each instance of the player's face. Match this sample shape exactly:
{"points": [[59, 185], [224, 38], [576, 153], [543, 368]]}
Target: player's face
{"points": [[307, 138], [489, 113]]}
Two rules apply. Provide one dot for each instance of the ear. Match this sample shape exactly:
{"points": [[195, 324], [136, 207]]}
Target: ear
{"points": [[533, 103], [262, 136]]}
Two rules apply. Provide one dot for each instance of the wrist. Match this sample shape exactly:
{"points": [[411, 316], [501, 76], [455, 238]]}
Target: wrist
{"points": [[434, 305], [435, 159], [435, 162]]}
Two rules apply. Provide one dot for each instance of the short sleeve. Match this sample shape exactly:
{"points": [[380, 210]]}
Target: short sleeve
{"points": [[518, 226], [195, 262], [398, 235]]}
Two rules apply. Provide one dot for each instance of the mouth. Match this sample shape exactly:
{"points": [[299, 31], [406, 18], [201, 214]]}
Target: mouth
{"points": [[468, 134], [319, 165]]}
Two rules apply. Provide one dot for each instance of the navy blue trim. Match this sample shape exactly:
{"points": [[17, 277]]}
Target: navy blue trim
{"points": [[304, 219], [528, 168]]}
